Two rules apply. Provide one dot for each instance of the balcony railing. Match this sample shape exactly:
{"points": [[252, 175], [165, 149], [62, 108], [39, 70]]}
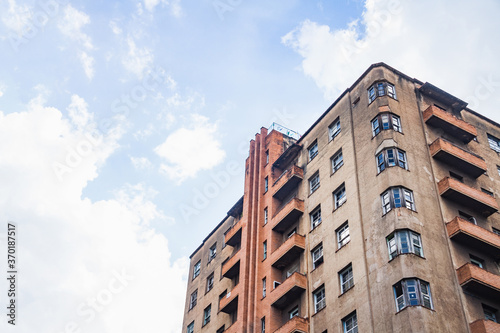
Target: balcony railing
{"points": [[465, 195], [229, 303], [294, 325], [484, 326], [437, 117], [288, 251], [287, 215], [287, 181], [231, 267], [451, 154], [474, 236], [479, 281], [288, 291], [233, 235]]}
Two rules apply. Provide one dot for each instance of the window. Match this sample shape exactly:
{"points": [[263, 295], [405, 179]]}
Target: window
{"points": [[337, 161], [334, 129], [291, 233], [190, 328], [386, 121], [412, 292], [476, 261], [494, 143], [267, 156], [404, 241], [266, 216], [490, 313], [313, 150], [264, 287], [317, 255], [498, 169], [343, 236], [221, 329], [339, 196], [350, 323], [397, 197], [319, 299], [346, 279], [210, 282], [206, 314], [381, 89], [266, 184], [293, 312], [193, 299], [265, 250], [263, 325], [212, 252], [496, 231], [391, 157], [196, 270], [276, 284], [314, 182], [315, 217], [456, 176], [467, 217], [487, 192]]}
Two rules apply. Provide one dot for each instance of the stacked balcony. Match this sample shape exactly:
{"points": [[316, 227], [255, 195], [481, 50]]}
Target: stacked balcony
{"points": [[288, 214], [287, 181], [288, 291], [231, 267], [294, 325], [479, 281], [451, 154], [484, 326], [460, 129], [229, 303], [467, 196], [233, 235], [471, 235], [288, 251]]}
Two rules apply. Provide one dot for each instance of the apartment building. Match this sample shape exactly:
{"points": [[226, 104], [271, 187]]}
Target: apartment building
{"points": [[382, 217]]}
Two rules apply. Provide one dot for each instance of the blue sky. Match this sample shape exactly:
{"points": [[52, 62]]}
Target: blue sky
{"points": [[125, 126]]}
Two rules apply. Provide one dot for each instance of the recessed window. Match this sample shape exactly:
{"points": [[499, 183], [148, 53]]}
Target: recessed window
{"points": [[263, 325], [494, 143], [490, 313], [266, 216], [221, 329], [266, 184], [337, 161], [343, 236], [346, 279], [412, 292], [498, 170], [212, 252], [190, 328], [391, 157], [315, 217], [476, 261], [319, 299], [210, 282], [314, 182], [334, 129], [467, 217], [291, 233], [350, 323], [339, 196], [386, 121], [193, 299], [264, 246], [404, 241], [207, 314], [264, 289], [317, 255], [293, 312], [196, 269], [496, 231], [487, 192], [313, 150], [381, 89], [397, 197], [267, 156], [456, 176]]}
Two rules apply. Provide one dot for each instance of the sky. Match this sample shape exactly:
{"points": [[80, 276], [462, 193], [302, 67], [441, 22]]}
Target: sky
{"points": [[124, 128]]}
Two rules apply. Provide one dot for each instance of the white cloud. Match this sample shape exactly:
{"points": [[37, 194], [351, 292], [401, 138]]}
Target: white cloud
{"points": [[190, 150], [72, 248], [17, 17], [115, 28], [175, 6], [72, 23], [455, 54], [141, 163], [138, 59], [88, 64]]}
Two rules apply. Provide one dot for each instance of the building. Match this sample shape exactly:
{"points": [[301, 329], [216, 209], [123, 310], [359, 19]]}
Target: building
{"points": [[382, 217]]}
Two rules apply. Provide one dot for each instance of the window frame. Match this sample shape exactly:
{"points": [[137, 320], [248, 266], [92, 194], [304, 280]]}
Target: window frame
{"points": [[314, 149], [341, 242], [317, 255], [404, 241], [264, 287], [334, 129], [384, 160], [196, 269], [393, 123], [354, 319], [212, 252], [337, 161], [339, 200], [319, 303], [294, 312], [406, 199], [207, 318], [412, 294], [266, 184], [315, 221], [346, 279], [263, 325], [493, 142], [193, 299], [264, 249], [210, 282], [314, 182], [266, 216], [379, 89], [190, 327]]}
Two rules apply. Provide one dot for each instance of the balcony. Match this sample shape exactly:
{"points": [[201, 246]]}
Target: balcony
{"points": [[479, 281], [287, 181], [451, 154], [288, 291], [287, 215], [288, 251], [471, 235], [231, 267], [484, 326], [233, 235], [229, 303], [437, 117], [296, 324], [465, 195]]}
